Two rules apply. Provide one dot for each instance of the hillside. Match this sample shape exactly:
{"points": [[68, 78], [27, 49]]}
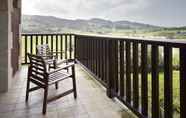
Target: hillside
{"points": [[50, 24]]}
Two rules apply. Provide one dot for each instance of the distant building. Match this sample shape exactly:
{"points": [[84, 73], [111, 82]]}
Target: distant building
{"points": [[181, 33]]}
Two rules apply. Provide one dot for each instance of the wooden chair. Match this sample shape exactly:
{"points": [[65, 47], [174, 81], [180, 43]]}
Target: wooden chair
{"points": [[38, 74], [50, 58]]}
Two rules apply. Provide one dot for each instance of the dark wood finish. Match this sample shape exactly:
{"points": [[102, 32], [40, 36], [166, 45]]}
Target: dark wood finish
{"points": [[144, 81], [31, 44], [38, 74], [135, 76], [128, 72], [25, 54], [182, 82], [110, 80], [57, 46], [122, 92], [101, 57], [66, 46], [168, 88], [61, 37], [155, 83]]}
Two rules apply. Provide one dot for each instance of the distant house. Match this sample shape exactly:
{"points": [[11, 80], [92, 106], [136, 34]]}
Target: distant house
{"points": [[181, 33]]}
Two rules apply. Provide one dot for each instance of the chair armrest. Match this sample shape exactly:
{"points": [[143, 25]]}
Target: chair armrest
{"points": [[61, 68], [57, 52], [65, 61]]}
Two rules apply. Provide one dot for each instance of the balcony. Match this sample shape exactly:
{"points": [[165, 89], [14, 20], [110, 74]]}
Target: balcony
{"points": [[92, 101], [137, 73]]}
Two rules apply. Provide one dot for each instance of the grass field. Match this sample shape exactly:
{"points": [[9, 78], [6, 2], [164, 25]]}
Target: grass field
{"points": [[176, 95]]}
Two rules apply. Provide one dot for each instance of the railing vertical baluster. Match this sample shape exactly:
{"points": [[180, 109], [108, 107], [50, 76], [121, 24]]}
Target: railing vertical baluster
{"points": [[66, 44], [135, 76], [128, 72], [70, 46], [103, 64], [91, 55], [122, 92], [26, 38], [42, 39], [57, 45], [46, 39], [168, 95], [31, 44], [61, 46], [183, 82], [51, 41], [107, 60], [155, 83], [96, 57], [144, 81], [99, 58], [110, 80], [116, 65], [36, 40]]}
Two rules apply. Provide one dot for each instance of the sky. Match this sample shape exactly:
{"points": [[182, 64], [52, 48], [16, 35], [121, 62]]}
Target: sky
{"points": [[156, 12]]}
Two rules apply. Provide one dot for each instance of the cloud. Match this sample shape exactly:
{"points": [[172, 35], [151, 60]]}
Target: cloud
{"points": [[157, 12]]}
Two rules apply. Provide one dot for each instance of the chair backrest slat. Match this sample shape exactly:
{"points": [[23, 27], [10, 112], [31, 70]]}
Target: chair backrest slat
{"points": [[43, 50], [37, 68]]}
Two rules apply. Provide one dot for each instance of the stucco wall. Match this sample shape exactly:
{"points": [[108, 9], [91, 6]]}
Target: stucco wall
{"points": [[6, 39]]}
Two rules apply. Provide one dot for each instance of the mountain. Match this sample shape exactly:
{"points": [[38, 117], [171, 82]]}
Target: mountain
{"points": [[50, 24]]}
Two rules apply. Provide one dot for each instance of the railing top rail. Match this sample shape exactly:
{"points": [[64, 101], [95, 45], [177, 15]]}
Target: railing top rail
{"points": [[162, 42], [32, 34]]}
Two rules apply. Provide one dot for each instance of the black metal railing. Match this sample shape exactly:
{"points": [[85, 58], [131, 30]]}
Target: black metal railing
{"points": [[129, 69], [63, 43]]}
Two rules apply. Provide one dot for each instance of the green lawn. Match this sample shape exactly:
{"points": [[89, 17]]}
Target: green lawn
{"points": [[176, 97]]}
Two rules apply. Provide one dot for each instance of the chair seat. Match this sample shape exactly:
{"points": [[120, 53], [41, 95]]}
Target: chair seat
{"points": [[58, 76]]}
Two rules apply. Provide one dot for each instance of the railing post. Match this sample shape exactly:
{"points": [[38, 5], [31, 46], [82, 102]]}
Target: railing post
{"points": [[110, 79], [183, 82]]}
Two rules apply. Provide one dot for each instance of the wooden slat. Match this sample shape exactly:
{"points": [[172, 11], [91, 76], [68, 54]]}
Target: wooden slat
{"points": [[42, 39], [110, 79], [128, 72], [99, 57], [70, 46], [56, 45], [25, 55], [135, 76], [182, 82], [122, 92], [61, 46], [168, 90], [155, 83], [46, 39], [66, 44], [51, 41], [36, 43], [144, 81], [31, 44], [116, 65]]}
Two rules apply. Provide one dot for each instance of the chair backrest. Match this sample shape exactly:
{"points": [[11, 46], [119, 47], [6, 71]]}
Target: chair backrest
{"points": [[43, 50], [37, 68]]}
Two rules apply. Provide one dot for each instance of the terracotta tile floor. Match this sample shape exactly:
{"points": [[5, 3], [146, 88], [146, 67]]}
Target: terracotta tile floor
{"points": [[92, 101]]}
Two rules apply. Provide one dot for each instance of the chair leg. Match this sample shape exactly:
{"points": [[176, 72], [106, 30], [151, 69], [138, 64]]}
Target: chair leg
{"points": [[27, 90], [45, 100], [74, 82], [56, 85], [74, 87]]}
